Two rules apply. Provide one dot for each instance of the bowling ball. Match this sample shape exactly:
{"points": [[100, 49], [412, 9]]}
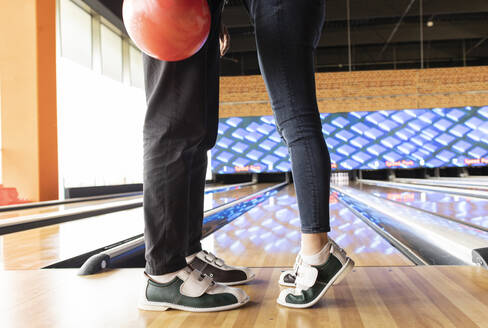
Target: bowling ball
{"points": [[169, 30]]}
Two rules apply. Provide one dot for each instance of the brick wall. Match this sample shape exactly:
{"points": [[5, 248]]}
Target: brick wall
{"points": [[367, 90]]}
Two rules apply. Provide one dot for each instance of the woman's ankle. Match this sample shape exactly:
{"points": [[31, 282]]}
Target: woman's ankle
{"points": [[313, 243]]}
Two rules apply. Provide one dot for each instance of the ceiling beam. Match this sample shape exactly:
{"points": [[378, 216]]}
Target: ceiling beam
{"points": [[365, 56], [479, 43], [113, 16], [408, 32], [237, 16], [395, 28]]}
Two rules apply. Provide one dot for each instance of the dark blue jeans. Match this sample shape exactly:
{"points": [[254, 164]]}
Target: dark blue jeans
{"points": [[182, 120]]}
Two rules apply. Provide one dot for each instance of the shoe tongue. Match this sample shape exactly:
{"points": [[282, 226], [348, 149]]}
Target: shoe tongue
{"points": [[306, 276]]}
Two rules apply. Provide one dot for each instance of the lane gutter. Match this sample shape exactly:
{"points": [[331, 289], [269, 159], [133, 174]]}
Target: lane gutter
{"points": [[132, 249], [21, 223], [423, 237], [407, 186]]}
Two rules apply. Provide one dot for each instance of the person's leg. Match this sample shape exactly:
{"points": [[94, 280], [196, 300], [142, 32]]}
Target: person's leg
{"points": [[312, 243], [176, 131], [175, 126], [197, 258], [211, 122], [197, 189], [180, 127], [287, 33], [171, 139]]}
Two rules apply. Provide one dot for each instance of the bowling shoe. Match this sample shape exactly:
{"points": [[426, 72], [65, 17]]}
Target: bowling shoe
{"points": [[215, 268], [191, 291], [313, 281], [287, 278]]}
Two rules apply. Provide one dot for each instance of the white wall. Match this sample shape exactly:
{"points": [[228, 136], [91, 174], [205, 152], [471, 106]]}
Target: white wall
{"points": [[101, 102], [99, 127]]}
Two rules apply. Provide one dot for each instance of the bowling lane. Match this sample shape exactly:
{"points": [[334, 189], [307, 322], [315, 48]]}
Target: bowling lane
{"points": [[469, 179], [472, 183], [58, 208], [210, 188], [467, 209], [269, 236], [36, 248], [213, 200]]}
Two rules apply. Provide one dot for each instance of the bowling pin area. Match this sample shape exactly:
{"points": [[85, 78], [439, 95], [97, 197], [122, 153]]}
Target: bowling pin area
{"points": [[413, 241]]}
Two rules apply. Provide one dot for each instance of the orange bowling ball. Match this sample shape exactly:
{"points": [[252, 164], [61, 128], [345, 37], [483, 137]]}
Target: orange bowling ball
{"points": [[169, 30]]}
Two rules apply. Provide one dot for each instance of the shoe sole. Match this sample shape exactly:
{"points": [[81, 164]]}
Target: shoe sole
{"points": [[163, 306], [238, 282], [348, 266]]}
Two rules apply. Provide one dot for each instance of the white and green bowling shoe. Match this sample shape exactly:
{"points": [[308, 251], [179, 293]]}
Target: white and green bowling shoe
{"points": [[313, 281], [287, 277], [218, 270], [190, 291]]}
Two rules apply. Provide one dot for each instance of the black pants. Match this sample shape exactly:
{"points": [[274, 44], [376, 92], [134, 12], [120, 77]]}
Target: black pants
{"points": [[182, 119]]}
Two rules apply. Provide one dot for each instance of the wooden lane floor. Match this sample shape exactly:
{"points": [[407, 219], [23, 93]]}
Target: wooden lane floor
{"points": [[468, 209], [269, 236], [470, 182], [220, 198], [423, 296], [36, 248], [212, 200], [57, 208]]}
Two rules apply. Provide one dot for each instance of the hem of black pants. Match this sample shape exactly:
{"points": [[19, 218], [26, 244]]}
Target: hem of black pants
{"points": [[318, 230], [156, 270], [195, 249]]}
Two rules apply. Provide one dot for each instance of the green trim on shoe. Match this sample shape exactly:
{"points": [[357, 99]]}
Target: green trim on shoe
{"points": [[170, 293], [190, 291]]}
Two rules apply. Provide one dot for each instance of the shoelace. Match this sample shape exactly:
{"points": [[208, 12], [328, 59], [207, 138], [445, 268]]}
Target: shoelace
{"points": [[298, 261]]}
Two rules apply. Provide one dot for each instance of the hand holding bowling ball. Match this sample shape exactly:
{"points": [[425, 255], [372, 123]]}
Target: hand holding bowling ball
{"points": [[224, 39], [169, 30]]}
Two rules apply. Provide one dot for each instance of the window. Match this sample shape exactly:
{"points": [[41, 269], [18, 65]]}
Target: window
{"points": [[136, 68], [76, 33], [111, 53]]}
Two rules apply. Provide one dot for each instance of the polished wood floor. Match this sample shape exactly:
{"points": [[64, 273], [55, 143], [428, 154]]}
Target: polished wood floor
{"points": [[384, 290], [59, 208], [269, 236], [469, 209], [213, 199], [36, 248], [369, 297]]}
